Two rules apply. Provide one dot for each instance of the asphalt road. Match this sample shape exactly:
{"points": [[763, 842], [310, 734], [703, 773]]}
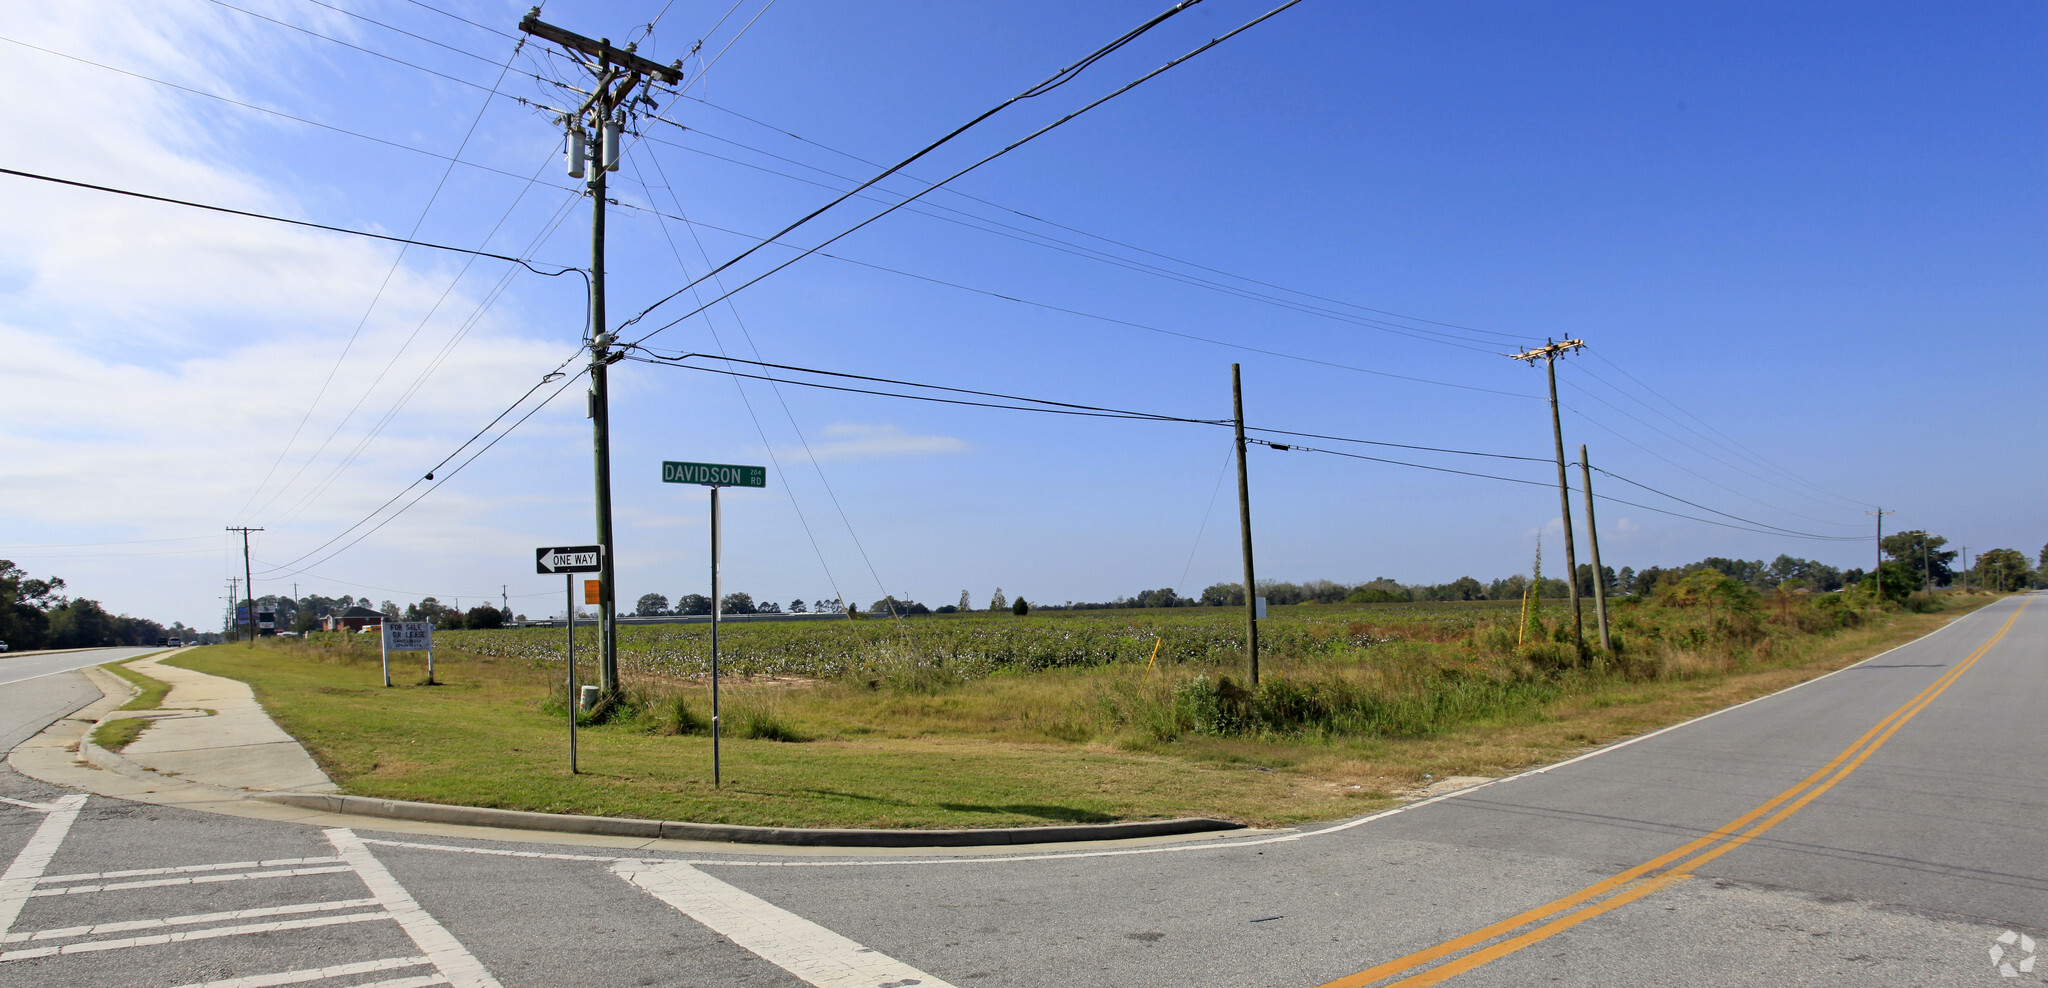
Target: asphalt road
{"points": [[1883, 825], [24, 666]]}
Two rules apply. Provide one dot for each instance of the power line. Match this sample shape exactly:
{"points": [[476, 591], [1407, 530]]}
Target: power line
{"points": [[485, 27], [546, 379], [280, 219], [759, 430], [1729, 441], [278, 113], [490, 299], [1045, 405], [364, 320], [1050, 307], [372, 52], [1508, 337], [1036, 239], [1682, 442], [399, 30], [1054, 81], [1724, 514]]}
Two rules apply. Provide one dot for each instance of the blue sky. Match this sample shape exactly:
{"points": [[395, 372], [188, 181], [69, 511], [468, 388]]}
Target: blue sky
{"points": [[1805, 243]]}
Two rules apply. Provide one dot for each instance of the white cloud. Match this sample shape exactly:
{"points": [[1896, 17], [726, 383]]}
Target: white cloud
{"points": [[156, 358], [855, 441]]}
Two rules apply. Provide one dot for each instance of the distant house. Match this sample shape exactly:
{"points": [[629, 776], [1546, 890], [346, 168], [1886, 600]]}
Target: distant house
{"points": [[353, 619]]}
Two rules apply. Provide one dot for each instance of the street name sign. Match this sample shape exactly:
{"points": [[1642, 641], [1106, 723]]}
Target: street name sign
{"points": [[408, 636], [568, 559], [713, 474]]}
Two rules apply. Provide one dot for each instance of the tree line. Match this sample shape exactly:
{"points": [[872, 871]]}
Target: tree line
{"points": [[36, 614]]}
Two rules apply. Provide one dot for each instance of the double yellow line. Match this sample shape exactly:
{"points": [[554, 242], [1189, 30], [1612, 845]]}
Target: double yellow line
{"points": [[1666, 869]]}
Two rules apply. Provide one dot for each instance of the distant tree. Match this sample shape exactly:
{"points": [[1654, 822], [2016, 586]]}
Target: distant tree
{"points": [[768, 607], [1021, 607], [2003, 569], [1223, 595], [80, 623], [389, 610], [1804, 573], [1892, 581], [737, 603], [651, 605], [946, 609], [967, 603], [483, 616], [428, 609], [693, 603], [1376, 593], [1922, 553], [1626, 579], [998, 602], [1162, 597]]}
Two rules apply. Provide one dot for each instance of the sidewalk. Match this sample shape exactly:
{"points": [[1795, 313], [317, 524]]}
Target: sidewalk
{"points": [[215, 750]]}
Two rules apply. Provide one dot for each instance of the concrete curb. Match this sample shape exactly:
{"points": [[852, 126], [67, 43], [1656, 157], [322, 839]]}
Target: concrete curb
{"points": [[477, 816]]}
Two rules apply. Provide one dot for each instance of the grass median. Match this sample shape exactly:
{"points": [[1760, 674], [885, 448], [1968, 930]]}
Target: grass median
{"points": [[115, 735], [1389, 699]]}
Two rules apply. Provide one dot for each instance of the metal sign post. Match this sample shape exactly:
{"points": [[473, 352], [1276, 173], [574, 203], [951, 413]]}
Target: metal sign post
{"points": [[714, 476], [716, 606], [569, 561], [569, 609], [407, 636]]}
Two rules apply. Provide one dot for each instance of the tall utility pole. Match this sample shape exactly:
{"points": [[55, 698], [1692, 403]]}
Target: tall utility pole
{"points": [[1926, 567], [1593, 537], [234, 601], [1549, 355], [1878, 573], [251, 581], [1966, 570], [1244, 528], [617, 73]]}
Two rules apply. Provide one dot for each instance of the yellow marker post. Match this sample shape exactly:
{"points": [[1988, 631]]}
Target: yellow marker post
{"points": [[1156, 642]]}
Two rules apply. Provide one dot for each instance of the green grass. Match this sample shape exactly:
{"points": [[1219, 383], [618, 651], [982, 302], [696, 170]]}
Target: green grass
{"points": [[995, 720], [115, 735], [153, 690]]}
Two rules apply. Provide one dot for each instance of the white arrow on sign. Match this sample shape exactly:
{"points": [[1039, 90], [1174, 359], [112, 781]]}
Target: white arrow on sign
{"points": [[568, 559]]}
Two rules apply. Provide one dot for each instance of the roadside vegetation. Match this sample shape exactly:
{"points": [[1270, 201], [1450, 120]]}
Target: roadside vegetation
{"points": [[115, 735], [1000, 719]]}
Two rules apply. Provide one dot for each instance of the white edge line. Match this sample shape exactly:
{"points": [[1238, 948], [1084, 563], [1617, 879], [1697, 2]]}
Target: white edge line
{"points": [[1216, 845]]}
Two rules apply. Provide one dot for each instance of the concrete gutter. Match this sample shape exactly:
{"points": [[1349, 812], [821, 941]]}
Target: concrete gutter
{"points": [[214, 749], [478, 816]]}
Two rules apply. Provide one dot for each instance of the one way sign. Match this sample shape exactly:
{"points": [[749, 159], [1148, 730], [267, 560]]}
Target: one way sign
{"points": [[568, 559]]}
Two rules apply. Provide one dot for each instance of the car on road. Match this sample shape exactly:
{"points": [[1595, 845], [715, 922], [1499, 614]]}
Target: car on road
{"points": [[175, 643], [3, 646]]}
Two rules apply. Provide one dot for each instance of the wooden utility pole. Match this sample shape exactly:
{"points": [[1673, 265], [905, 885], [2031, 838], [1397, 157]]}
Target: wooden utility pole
{"points": [[618, 73], [1593, 538], [1244, 528], [1878, 573], [249, 581], [1549, 354]]}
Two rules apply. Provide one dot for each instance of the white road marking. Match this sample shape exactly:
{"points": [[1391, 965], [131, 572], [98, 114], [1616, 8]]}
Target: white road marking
{"points": [[96, 876], [192, 880], [130, 926], [18, 882], [1211, 845], [185, 936], [782, 938], [421, 981], [319, 974], [448, 954]]}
